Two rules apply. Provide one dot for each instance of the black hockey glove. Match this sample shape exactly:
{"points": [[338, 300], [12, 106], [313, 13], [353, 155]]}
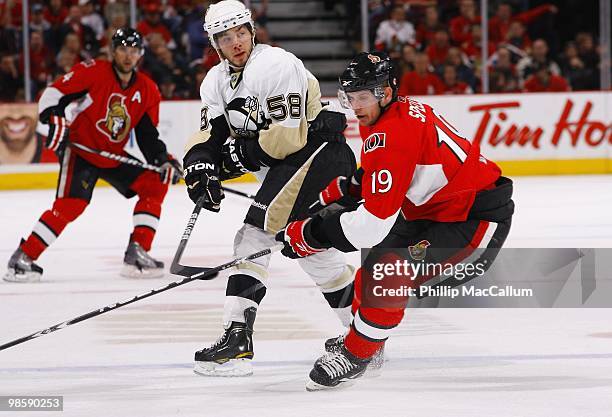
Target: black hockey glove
{"points": [[172, 171], [202, 179], [341, 190], [57, 140], [239, 157]]}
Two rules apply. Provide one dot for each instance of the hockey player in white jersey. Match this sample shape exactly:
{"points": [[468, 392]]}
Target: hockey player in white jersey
{"points": [[261, 113]]}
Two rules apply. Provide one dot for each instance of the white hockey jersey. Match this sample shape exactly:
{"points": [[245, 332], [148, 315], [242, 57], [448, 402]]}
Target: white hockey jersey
{"points": [[274, 94]]}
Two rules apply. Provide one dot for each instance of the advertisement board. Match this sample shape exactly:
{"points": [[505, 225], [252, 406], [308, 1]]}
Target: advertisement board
{"points": [[527, 134]]}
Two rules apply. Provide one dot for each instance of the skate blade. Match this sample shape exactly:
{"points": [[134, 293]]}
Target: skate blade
{"points": [[131, 271], [374, 368], [231, 368], [312, 386], [26, 277]]}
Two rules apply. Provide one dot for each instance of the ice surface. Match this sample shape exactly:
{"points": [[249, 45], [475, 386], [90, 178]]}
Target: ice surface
{"points": [[136, 361]]}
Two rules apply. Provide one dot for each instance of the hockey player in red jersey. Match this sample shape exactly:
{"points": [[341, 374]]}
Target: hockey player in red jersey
{"points": [[422, 184], [98, 104]]}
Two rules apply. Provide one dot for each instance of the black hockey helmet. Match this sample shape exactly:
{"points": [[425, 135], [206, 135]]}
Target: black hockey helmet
{"points": [[368, 71], [127, 37]]}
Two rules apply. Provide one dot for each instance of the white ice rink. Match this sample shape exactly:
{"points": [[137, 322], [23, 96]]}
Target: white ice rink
{"points": [[137, 360]]}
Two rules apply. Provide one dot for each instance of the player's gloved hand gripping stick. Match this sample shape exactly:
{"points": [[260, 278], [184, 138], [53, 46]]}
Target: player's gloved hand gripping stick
{"points": [[191, 273], [341, 190]]}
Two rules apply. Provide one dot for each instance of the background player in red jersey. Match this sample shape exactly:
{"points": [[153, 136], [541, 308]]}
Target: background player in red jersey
{"points": [[422, 184], [104, 101]]}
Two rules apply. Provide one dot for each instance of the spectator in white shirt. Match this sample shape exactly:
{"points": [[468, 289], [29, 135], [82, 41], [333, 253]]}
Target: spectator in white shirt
{"points": [[393, 33], [91, 18]]}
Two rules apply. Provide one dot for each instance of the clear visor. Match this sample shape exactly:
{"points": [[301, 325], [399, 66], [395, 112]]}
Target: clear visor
{"points": [[360, 99], [229, 37]]}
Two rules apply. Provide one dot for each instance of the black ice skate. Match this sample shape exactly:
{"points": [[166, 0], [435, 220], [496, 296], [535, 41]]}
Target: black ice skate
{"points": [[137, 263], [22, 269], [336, 369], [376, 363], [232, 353]]}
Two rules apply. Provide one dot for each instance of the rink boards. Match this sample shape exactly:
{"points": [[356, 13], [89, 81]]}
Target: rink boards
{"points": [[526, 134]]}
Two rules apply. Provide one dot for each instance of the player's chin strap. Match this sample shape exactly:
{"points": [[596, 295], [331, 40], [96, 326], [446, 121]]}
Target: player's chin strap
{"points": [[384, 108], [138, 163]]}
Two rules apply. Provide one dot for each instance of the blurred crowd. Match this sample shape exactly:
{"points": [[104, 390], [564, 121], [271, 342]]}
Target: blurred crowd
{"points": [[66, 32], [438, 47], [436, 43]]}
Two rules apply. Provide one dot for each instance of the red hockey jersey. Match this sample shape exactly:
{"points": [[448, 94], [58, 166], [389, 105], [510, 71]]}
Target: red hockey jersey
{"points": [[417, 164], [102, 114]]}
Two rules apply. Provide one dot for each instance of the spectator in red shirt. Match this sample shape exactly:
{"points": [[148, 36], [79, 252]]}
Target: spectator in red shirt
{"points": [[152, 24], [473, 48], [543, 80], [11, 14], [41, 62], [500, 23], [421, 81], [427, 29], [460, 26], [451, 85], [55, 13], [437, 51]]}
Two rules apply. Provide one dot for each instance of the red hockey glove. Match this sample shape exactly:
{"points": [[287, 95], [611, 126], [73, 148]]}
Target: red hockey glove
{"points": [[298, 239], [58, 134], [341, 190], [172, 171]]}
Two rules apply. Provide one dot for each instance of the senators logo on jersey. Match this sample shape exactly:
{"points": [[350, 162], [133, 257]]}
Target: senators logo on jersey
{"points": [[117, 123], [373, 58], [373, 142]]}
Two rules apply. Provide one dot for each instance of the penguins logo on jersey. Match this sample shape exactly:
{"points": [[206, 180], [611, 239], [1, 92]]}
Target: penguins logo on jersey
{"points": [[245, 116], [116, 125], [235, 79]]}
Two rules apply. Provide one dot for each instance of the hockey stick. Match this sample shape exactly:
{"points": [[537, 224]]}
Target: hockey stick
{"points": [[138, 163], [184, 270], [206, 275], [120, 158]]}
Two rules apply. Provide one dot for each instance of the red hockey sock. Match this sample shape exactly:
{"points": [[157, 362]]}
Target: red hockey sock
{"points": [[360, 346], [51, 224], [143, 236], [151, 193]]}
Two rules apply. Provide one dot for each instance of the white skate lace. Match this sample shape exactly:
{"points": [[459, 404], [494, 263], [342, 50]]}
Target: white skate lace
{"points": [[336, 364], [219, 340]]}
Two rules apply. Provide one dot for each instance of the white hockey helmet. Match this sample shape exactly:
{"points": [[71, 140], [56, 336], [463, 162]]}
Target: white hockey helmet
{"points": [[225, 15]]}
